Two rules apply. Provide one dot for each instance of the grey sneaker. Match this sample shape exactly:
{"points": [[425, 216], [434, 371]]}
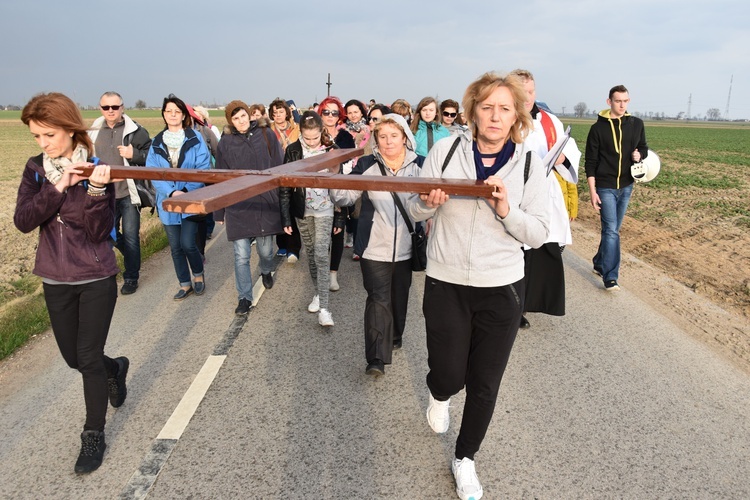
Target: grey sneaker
{"points": [[325, 318], [314, 305], [333, 284], [468, 486], [438, 415]]}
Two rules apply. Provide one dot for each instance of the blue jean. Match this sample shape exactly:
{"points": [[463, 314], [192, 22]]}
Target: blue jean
{"points": [[243, 276], [185, 254], [613, 208], [128, 226]]}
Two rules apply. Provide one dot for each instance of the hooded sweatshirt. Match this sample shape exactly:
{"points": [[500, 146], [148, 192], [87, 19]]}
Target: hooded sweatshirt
{"points": [[382, 234], [609, 146], [468, 243]]}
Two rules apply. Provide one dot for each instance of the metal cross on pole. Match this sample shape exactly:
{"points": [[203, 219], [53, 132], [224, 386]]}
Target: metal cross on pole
{"points": [[227, 187]]}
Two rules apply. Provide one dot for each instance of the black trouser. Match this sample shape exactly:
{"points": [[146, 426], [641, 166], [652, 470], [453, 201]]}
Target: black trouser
{"points": [[470, 333], [292, 243], [387, 285], [337, 250], [80, 316]]}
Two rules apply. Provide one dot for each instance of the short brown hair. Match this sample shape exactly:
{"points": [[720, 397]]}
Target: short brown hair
{"points": [[450, 103], [485, 85], [258, 107], [278, 104], [403, 108], [57, 110], [617, 88]]}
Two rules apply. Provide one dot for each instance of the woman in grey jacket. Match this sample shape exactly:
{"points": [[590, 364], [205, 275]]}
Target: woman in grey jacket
{"points": [[383, 240], [474, 288]]}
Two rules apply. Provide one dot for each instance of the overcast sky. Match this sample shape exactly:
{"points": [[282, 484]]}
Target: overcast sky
{"points": [[664, 51]]}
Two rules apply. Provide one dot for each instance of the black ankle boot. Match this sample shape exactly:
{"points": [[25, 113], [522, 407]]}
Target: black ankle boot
{"points": [[92, 451]]}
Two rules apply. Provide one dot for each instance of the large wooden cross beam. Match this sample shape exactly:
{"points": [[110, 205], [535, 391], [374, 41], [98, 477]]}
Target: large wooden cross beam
{"points": [[227, 187]]}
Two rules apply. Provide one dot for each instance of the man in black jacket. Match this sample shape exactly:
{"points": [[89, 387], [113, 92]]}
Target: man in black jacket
{"points": [[118, 140], [615, 142]]}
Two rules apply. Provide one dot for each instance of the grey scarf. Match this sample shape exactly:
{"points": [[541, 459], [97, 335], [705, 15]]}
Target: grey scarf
{"points": [[53, 167]]}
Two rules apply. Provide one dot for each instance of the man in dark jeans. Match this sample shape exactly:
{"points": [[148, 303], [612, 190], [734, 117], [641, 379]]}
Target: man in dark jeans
{"points": [[118, 140], [615, 141]]}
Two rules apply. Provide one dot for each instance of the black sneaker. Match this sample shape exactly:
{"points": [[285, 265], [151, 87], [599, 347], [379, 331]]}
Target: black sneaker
{"points": [[525, 323], [118, 391], [267, 280], [130, 286], [92, 452], [243, 307], [397, 344], [611, 285], [375, 368]]}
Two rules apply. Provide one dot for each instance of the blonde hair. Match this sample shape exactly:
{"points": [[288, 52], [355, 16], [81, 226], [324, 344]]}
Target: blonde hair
{"points": [[480, 90]]}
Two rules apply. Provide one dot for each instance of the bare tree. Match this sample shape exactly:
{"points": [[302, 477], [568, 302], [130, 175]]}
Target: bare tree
{"points": [[713, 114], [580, 109], [140, 104]]}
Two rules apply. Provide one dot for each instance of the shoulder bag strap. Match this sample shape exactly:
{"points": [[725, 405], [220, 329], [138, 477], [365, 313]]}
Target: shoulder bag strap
{"points": [[450, 153], [398, 203], [527, 167]]}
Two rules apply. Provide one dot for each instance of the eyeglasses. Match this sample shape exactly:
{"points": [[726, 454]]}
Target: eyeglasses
{"points": [[328, 112], [449, 115], [114, 107], [374, 119], [172, 112]]}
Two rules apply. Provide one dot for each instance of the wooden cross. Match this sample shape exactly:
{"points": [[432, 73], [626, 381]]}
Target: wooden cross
{"points": [[227, 187]]}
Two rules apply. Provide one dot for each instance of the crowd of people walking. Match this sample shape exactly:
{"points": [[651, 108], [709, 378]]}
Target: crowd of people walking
{"points": [[489, 261]]}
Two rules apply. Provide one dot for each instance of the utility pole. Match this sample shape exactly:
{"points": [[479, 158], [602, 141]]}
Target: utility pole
{"points": [[690, 103], [328, 84], [726, 111]]}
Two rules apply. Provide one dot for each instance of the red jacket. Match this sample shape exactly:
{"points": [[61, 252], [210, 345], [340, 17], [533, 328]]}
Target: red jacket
{"points": [[75, 229]]}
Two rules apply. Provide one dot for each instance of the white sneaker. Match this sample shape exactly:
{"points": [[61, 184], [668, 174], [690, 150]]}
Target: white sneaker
{"points": [[468, 486], [334, 284], [291, 258], [314, 305], [438, 415], [325, 318], [348, 240]]}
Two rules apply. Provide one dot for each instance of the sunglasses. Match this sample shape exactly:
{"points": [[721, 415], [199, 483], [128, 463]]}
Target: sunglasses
{"points": [[374, 119], [328, 112], [114, 107], [449, 115]]}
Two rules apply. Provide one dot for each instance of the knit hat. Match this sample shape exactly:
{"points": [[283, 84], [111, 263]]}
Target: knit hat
{"points": [[232, 106]]}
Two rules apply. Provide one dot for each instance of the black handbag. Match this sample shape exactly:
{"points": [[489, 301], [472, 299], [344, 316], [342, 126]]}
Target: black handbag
{"points": [[146, 193], [418, 236]]}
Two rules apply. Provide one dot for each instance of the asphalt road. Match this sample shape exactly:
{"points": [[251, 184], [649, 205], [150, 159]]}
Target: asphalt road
{"points": [[610, 401]]}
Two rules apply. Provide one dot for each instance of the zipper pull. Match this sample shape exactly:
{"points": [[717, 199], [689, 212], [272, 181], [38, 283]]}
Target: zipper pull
{"points": [[59, 219]]}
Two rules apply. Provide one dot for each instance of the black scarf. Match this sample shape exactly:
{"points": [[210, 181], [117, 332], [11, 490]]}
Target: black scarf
{"points": [[501, 159]]}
